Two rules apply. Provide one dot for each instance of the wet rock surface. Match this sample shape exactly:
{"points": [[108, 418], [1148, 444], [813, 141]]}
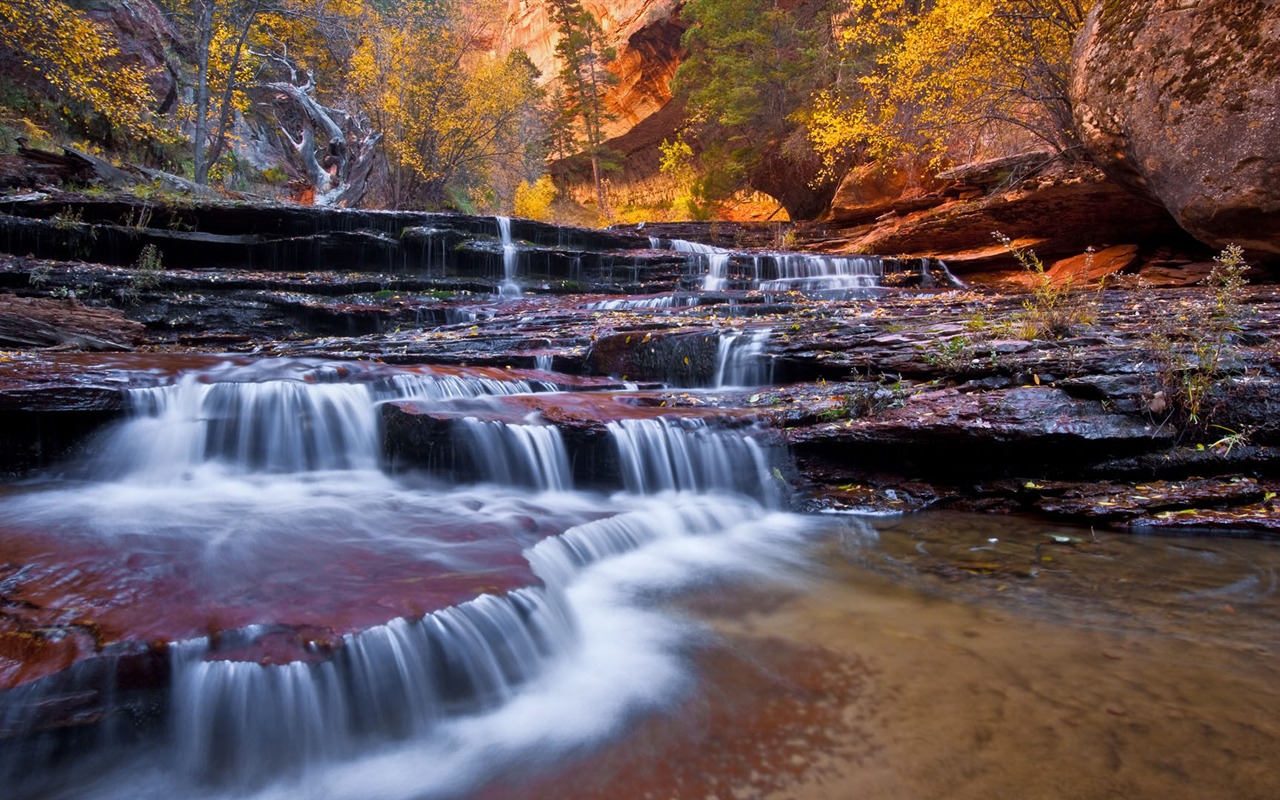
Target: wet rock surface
{"points": [[890, 389], [896, 397]]}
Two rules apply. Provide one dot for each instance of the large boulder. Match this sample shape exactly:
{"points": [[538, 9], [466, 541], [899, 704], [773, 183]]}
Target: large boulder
{"points": [[1179, 101], [874, 189], [1060, 211]]}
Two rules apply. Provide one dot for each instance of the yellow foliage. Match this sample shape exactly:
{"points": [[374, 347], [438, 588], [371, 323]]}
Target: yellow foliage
{"points": [[445, 105], [72, 54], [935, 83], [533, 200]]}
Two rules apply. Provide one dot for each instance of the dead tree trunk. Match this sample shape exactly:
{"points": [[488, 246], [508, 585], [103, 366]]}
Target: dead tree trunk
{"points": [[336, 150]]}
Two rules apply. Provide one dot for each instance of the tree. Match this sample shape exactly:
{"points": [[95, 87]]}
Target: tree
{"points": [[451, 112], [533, 200], [585, 79], [930, 78], [751, 66], [73, 57], [221, 31]]}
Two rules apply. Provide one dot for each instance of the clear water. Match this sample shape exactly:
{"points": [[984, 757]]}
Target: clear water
{"points": [[335, 631], [331, 628]]}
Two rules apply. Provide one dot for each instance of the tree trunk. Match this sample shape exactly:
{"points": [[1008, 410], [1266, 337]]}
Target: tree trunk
{"points": [[342, 178], [200, 137], [225, 105], [601, 207]]}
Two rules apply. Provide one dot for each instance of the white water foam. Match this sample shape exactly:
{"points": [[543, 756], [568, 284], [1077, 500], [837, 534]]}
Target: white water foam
{"points": [[741, 360], [661, 455], [799, 272], [625, 660], [508, 289], [409, 707], [517, 455]]}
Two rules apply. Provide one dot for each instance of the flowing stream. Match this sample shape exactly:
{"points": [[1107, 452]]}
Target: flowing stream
{"points": [[285, 616]]}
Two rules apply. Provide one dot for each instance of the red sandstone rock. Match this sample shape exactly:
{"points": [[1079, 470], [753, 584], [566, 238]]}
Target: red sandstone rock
{"points": [[1180, 102], [1064, 210], [45, 322], [873, 190]]}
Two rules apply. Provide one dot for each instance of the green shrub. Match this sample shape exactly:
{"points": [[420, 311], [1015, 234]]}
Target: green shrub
{"points": [[1194, 356], [1056, 308]]}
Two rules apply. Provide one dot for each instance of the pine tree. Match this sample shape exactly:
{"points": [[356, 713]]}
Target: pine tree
{"points": [[585, 79]]}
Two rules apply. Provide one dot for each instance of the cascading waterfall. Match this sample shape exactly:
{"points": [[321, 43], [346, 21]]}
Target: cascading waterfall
{"points": [[559, 558], [717, 272], [941, 266], [660, 455], [270, 426], [682, 246], [629, 303], [797, 272], [790, 271], [237, 722], [712, 261], [741, 359], [435, 387], [517, 455], [273, 425], [297, 451], [508, 289]]}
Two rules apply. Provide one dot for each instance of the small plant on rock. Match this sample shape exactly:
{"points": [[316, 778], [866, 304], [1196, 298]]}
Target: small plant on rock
{"points": [[39, 276], [146, 274], [949, 355], [1056, 307], [1193, 367]]}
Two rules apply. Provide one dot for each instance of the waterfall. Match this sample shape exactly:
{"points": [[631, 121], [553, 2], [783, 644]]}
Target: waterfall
{"points": [[443, 386], [235, 723], [331, 628], [558, 558], [717, 272], [238, 722], [790, 271], [941, 266], [741, 360], [658, 455], [517, 455], [508, 288], [715, 259], [259, 423], [630, 303], [809, 273], [270, 426]]}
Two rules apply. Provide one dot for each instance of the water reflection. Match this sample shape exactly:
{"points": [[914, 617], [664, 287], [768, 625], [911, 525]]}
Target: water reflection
{"points": [[1220, 590], [972, 657]]}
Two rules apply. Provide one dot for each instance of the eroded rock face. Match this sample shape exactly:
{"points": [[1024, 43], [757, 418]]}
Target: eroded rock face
{"points": [[646, 35], [1180, 101], [1059, 213], [872, 190]]}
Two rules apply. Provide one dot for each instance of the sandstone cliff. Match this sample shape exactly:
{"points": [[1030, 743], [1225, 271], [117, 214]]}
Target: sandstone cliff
{"points": [[646, 34]]}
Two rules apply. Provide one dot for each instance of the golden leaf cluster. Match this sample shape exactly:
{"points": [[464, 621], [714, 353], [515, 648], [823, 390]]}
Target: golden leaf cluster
{"points": [[933, 80], [78, 60]]}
